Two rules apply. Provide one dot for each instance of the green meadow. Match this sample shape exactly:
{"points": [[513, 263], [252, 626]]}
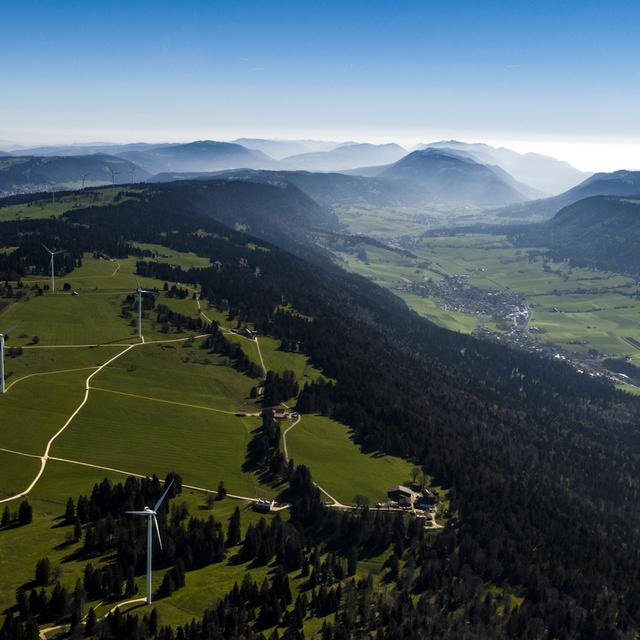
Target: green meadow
{"points": [[146, 437], [339, 466], [165, 405], [576, 308], [54, 206]]}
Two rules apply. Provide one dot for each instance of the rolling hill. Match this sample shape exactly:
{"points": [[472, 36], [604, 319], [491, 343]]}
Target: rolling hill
{"points": [[25, 174], [278, 212], [79, 149], [422, 177], [616, 183], [279, 149], [447, 177], [527, 450], [203, 155], [346, 156], [600, 231], [329, 189], [549, 175]]}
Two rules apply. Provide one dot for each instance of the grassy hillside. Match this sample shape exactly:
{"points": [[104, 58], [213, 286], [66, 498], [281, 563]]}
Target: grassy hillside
{"points": [[328, 448], [167, 405]]}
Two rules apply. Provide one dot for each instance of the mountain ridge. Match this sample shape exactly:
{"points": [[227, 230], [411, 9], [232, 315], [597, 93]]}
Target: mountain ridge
{"points": [[548, 175], [20, 174], [436, 175], [616, 183], [598, 231]]}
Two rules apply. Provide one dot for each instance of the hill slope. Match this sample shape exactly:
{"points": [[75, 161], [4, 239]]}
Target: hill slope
{"points": [[547, 174], [346, 156], [279, 149], [25, 174], [330, 189], [529, 450], [279, 212], [442, 176], [204, 155], [602, 231], [417, 179], [617, 183]]}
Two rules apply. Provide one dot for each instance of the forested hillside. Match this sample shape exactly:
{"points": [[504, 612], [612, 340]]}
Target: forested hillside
{"points": [[22, 174], [600, 231], [542, 464]]}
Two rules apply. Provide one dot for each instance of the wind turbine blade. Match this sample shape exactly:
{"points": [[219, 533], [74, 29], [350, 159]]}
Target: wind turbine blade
{"points": [[139, 286], [138, 513], [47, 248], [155, 521], [163, 496]]}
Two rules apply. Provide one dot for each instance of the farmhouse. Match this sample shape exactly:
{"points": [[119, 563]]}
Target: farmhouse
{"points": [[262, 505], [426, 501], [400, 492]]}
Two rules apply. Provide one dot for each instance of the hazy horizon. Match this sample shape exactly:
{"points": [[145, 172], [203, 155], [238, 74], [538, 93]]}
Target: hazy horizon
{"points": [[554, 79], [586, 156]]}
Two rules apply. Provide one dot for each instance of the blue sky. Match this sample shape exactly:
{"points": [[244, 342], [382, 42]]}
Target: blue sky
{"points": [[524, 73]]}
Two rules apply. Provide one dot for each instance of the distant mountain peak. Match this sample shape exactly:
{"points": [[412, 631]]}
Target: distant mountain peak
{"points": [[545, 174]]}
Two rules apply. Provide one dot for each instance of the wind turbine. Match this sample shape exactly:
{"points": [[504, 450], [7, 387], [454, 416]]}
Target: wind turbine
{"points": [[3, 337], [84, 177], [132, 171], [53, 275], [113, 174], [140, 291], [150, 514]]}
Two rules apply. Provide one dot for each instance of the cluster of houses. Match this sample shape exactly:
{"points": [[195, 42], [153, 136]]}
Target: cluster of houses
{"points": [[413, 497], [456, 294]]}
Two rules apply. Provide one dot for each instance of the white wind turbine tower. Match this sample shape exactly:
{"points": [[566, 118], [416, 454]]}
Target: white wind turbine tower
{"points": [[84, 176], [53, 275], [3, 337], [150, 515], [140, 291], [113, 174]]}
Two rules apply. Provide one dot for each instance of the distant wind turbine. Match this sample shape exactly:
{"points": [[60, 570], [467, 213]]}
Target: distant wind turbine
{"points": [[113, 174], [3, 337], [53, 275], [140, 291], [132, 171], [84, 177], [150, 515]]}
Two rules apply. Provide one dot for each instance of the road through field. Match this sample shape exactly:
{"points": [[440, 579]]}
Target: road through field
{"points": [[45, 457], [47, 373], [179, 404], [284, 437], [87, 386]]}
